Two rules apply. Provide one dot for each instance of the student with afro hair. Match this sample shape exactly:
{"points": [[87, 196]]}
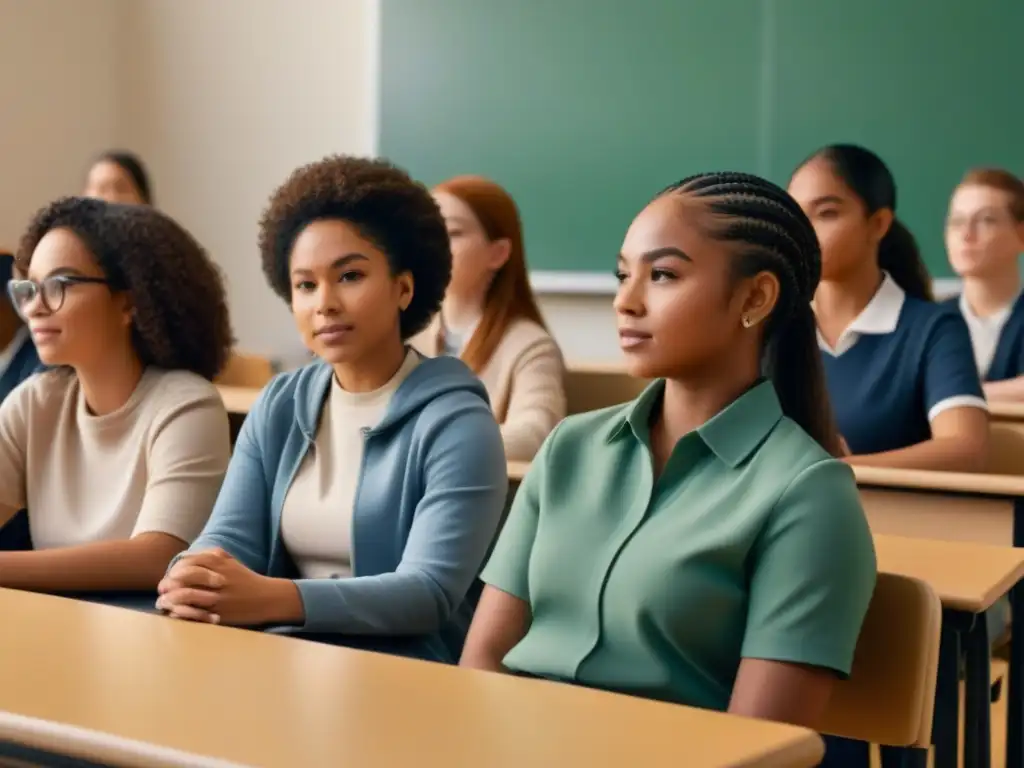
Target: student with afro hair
{"points": [[366, 488], [119, 449]]}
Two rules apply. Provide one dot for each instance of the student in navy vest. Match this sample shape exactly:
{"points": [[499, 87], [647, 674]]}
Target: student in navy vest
{"points": [[900, 367], [18, 361], [985, 240], [18, 356]]}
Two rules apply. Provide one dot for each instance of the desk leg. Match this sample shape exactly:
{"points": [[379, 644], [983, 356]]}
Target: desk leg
{"points": [[977, 707], [1015, 690], [946, 723]]}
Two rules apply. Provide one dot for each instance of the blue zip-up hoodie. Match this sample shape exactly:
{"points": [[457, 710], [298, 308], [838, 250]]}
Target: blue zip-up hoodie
{"points": [[430, 497]]}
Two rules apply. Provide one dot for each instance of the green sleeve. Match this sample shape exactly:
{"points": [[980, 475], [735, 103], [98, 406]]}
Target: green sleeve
{"points": [[813, 573], [509, 564]]}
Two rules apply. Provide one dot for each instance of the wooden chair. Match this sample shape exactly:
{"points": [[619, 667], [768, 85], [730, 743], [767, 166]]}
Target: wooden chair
{"points": [[889, 698], [246, 371], [590, 387], [1006, 449]]}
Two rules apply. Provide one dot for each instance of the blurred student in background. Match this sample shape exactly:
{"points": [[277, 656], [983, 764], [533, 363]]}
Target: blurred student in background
{"points": [[18, 361], [900, 368], [985, 241], [18, 356], [119, 177], [701, 544], [366, 488], [119, 449], [489, 317]]}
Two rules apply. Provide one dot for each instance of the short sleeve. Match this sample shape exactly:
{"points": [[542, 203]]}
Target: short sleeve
{"points": [[15, 412], [813, 573], [950, 372], [509, 565], [188, 455]]}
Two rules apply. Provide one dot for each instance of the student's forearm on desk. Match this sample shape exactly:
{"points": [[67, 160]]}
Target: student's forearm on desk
{"points": [[944, 454], [1008, 390], [133, 564]]}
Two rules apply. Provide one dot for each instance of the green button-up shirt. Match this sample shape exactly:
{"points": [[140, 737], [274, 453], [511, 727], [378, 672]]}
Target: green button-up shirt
{"points": [[752, 543]]}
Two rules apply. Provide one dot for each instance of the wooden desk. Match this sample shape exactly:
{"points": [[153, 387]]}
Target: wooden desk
{"points": [[954, 506], [1006, 411], [238, 400], [263, 700], [961, 507], [966, 577]]}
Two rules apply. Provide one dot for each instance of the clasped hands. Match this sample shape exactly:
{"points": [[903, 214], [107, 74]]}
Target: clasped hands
{"points": [[213, 587]]}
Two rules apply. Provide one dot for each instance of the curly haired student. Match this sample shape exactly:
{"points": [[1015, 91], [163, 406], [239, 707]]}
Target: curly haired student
{"points": [[119, 449], [366, 488]]}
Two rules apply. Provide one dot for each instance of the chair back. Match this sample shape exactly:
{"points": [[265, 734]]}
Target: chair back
{"points": [[590, 388], [889, 698], [244, 370]]}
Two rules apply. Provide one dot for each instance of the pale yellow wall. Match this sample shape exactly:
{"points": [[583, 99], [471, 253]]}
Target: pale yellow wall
{"points": [[223, 99], [58, 100]]}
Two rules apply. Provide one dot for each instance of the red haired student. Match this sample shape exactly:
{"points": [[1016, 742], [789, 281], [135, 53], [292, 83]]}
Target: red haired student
{"points": [[490, 318]]}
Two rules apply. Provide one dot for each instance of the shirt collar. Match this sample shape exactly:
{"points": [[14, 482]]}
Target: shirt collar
{"points": [[732, 434], [879, 317], [997, 319]]}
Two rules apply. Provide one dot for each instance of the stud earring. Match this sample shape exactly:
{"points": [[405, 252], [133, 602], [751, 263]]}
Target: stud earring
{"points": [[747, 321]]}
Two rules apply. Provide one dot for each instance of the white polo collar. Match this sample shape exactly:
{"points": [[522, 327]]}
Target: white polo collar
{"points": [[985, 331], [996, 319], [879, 318]]}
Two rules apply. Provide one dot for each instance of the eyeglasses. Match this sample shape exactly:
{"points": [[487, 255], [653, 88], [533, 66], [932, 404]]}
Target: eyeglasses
{"points": [[986, 220], [50, 290]]}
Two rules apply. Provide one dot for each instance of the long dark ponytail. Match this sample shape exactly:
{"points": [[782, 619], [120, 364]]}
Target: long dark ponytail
{"points": [[774, 235], [870, 179]]}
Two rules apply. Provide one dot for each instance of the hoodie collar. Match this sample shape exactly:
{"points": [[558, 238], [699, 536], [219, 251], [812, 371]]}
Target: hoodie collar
{"points": [[430, 379]]}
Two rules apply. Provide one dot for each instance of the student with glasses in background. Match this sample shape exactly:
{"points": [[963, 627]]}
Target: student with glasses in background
{"points": [[985, 240]]}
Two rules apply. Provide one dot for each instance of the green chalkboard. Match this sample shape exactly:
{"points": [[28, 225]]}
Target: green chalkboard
{"points": [[584, 109]]}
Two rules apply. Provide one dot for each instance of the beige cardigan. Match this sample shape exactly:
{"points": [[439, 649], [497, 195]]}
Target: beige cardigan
{"points": [[525, 381]]}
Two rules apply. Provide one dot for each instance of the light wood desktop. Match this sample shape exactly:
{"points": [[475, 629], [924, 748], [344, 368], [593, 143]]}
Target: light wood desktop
{"points": [[966, 577], [1003, 411], [165, 692], [238, 400], [952, 506]]}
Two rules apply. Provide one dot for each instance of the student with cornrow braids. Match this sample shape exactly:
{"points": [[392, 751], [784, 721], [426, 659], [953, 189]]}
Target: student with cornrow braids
{"points": [[701, 544], [900, 369]]}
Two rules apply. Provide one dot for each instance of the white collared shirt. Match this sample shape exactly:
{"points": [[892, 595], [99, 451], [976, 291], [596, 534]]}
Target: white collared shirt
{"points": [[880, 316], [985, 332]]}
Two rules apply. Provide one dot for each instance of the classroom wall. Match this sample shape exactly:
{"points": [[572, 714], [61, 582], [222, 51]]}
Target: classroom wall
{"points": [[56, 108], [223, 100]]}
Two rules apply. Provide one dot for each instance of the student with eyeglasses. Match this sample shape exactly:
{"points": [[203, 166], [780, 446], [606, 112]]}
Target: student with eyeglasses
{"points": [[985, 240], [119, 450]]}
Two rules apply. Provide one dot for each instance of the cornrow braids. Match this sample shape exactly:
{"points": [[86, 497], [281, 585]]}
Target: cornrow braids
{"points": [[774, 235]]}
